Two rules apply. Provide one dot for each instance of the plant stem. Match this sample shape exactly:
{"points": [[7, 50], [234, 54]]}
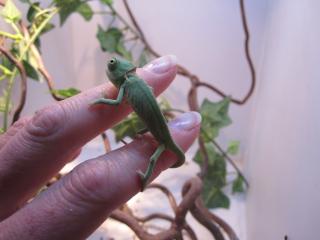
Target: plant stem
{"points": [[10, 35], [20, 58], [7, 99]]}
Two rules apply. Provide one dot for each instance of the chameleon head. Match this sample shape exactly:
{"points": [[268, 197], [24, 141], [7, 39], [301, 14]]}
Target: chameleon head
{"points": [[117, 70]]}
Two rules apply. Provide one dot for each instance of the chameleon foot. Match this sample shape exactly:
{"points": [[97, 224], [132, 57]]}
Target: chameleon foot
{"points": [[153, 159], [144, 180]]}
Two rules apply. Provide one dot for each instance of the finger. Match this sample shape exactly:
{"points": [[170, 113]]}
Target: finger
{"points": [[80, 202], [11, 132], [50, 139]]}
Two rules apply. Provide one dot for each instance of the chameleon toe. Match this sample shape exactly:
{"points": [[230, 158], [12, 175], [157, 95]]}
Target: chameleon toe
{"points": [[143, 179]]}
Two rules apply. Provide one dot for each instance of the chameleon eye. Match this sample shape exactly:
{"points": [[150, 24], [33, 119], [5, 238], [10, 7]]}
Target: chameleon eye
{"points": [[112, 64]]}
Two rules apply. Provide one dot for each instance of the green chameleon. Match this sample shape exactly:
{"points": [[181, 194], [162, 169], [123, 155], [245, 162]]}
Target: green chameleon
{"points": [[141, 98]]}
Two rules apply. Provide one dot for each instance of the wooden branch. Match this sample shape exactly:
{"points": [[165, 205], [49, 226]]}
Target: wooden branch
{"points": [[166, 191], [193, 78], [225, 226], [23, 82]]}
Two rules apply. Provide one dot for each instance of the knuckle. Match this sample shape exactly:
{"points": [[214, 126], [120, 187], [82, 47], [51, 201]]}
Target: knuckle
{"points": [[48, 121], [86, 182]]}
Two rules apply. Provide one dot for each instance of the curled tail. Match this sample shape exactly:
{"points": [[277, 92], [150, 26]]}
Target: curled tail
{"points": [[177, 150]]}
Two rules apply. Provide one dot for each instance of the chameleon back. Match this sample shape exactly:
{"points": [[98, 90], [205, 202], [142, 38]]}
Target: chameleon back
{"points": [[142, 100]]}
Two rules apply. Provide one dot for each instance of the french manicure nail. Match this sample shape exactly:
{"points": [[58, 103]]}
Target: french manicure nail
{"points": [[162, 64], [186, 121]]}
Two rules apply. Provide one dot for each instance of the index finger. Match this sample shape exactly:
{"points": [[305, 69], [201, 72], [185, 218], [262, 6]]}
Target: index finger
{"points": [[42, 148]]}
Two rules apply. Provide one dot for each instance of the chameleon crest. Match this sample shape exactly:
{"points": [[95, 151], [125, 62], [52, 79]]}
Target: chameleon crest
{"points": [[142, 100]]}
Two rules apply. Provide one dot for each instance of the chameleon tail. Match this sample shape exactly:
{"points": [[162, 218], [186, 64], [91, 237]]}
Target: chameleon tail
{"points": [[177, 150]]}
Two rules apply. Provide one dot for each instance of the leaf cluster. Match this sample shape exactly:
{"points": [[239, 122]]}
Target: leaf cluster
{"points": [[215, 117]]}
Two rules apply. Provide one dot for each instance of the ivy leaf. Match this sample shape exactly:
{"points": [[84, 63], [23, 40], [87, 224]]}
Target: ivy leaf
{"points": [[214, 117], [10, 12], [215, 179], [66, 93], [237, 185], [32, 11], [30, 70], [109, 39], [85, 11], [215, 198], [129, 127], [122, 51], [233, 147], [107, 2], [67, 7]]}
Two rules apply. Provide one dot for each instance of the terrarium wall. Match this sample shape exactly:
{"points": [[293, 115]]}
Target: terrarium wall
{"points": [[283, 159]]}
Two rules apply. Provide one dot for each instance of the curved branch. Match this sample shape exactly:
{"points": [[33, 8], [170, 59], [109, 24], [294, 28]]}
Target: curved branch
{"points": [[155, 216], [191, 190], [131, 222], [166, 191], [225, 226], [188, 187], [191, 233], [193, 78], [23, 83], [136, 25], [247, 51]]}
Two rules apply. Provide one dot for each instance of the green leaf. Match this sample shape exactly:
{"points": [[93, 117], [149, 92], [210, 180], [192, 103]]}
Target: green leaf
{"points": [[30, 70], [1, 130], [109, 39], [233, 147], [122, 51], [216, 198], [32, 11], [48, 27], [214, 117], [215, 178], [65, 93], [129, 127], [237, 185], [10, 12], [107, 2], [66, 8], [85, 11]]}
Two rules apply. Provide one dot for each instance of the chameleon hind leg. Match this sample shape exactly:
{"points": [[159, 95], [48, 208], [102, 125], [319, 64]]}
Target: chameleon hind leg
{"points": [[153, 160]]}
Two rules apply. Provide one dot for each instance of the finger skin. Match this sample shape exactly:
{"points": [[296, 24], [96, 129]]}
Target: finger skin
{"points": [[53, 136], [76, 205], [11, 132]]}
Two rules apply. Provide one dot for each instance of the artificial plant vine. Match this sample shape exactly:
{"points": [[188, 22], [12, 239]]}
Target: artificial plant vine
{"points": [[21, 55]]}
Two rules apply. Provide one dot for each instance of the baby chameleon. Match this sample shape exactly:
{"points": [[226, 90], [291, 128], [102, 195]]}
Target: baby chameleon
{"points": [[142, 100]]}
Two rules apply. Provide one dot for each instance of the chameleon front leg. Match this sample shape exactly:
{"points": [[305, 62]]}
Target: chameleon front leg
{"points": [[112, 101], [153, 160]]}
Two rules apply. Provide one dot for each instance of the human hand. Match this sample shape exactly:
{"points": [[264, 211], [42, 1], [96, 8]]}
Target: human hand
{"points": [[34, 149]]}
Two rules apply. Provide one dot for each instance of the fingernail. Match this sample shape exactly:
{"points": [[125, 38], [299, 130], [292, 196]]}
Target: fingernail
{"points": [[162, 64], [186, 121]]}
